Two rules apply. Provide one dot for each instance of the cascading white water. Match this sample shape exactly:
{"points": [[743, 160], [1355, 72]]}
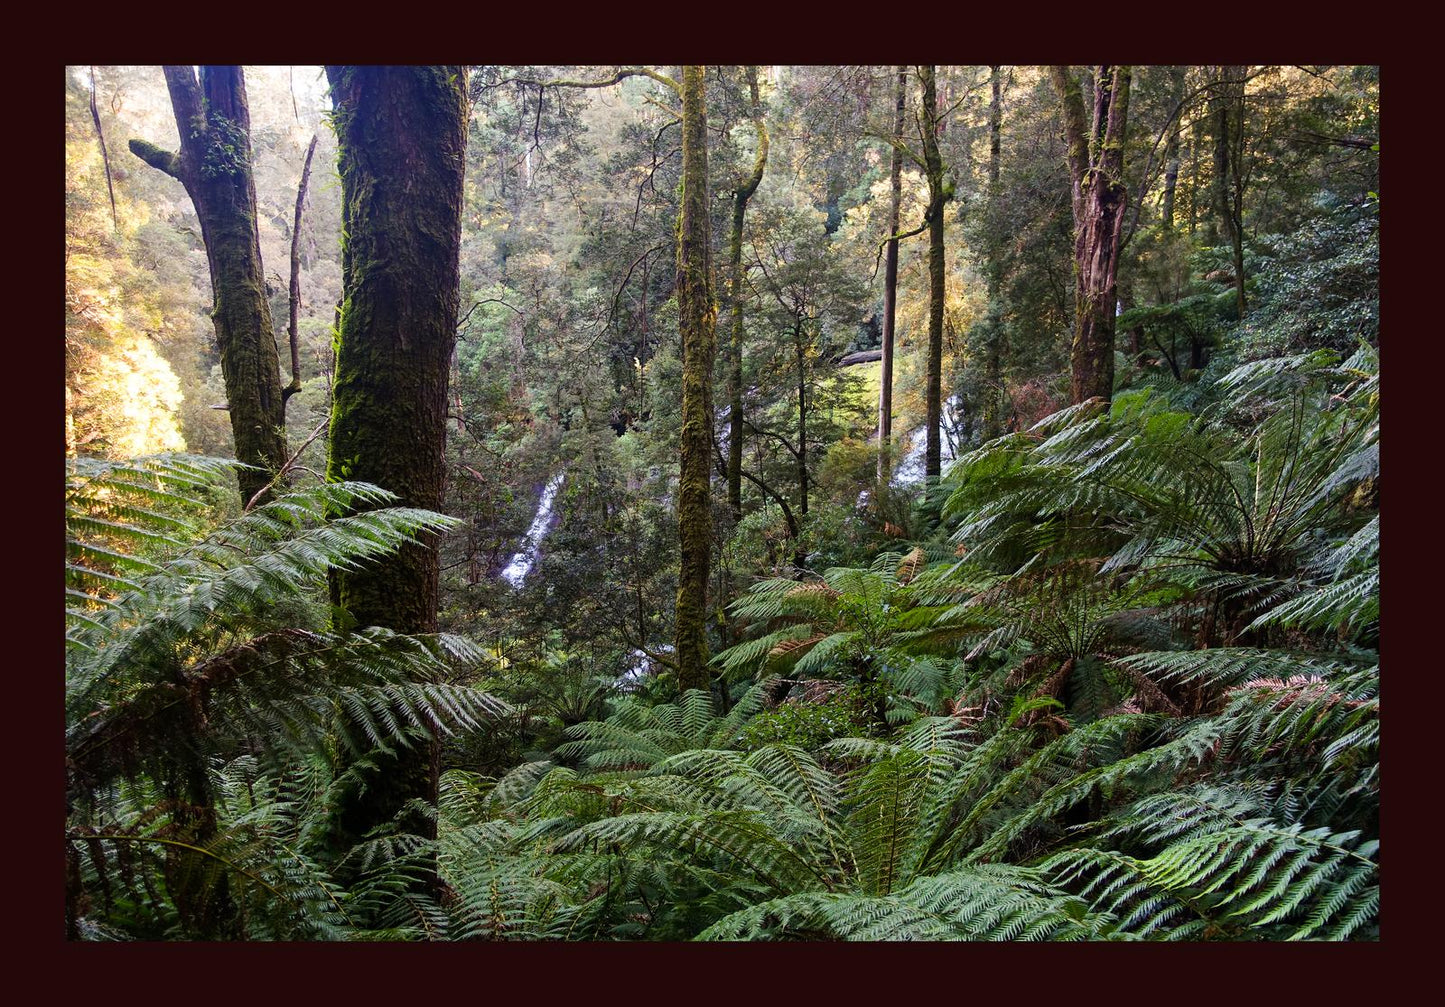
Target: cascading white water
{"points": [[639, 666], [910, 469], [521, 564]]}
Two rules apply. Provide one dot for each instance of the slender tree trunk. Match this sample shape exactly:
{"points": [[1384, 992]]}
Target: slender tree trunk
{"points": [[697, 321], [1099, 199], [214, 164], [293, 333], [993, 270], [890, 286], [1171, 147], [1196, 135], [104, 152], [800, 355], [741, 195], [1136, 334], [938, 195], [1228, 118], [401, 133], [1219, 121]]}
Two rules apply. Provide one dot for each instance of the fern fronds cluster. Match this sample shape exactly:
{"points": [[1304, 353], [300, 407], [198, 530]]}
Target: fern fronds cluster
{"points": [[200, 659]]}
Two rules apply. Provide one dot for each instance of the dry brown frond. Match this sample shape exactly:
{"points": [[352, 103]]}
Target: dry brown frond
{"points": [[910, 565], [788, 646]]}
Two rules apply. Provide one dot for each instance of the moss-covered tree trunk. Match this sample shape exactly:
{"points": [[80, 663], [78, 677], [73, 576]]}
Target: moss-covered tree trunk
{"points": [[697, 319], [741, 195], [890, 283], [214, 165], [1096, 170], [401, 133], [938, 194]]}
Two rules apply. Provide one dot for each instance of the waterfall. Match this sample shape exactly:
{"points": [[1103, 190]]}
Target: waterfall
{"points": [[521, 563], [910, 469]]}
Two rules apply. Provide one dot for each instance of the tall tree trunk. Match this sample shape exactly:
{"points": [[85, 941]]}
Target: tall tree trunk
{"points": [[104, 152], [293, 333], [401, 133], [1136, 334], [214, 164], [741, 195], [993, 270], [697, 321], [1227, 115], [890, 285], [938, 195], [1096, 163], [1171, 146], [1196, 137], [800, 354], [1219, 125]]}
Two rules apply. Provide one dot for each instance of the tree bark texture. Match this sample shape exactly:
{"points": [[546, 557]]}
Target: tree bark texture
{"points": [[993, 272], [1096, 161], [890, 285], [1227, 116], [741, 195], [697, 319], [938, 194], [1171, 146], [401, 133], [214, 165], [800, 355], [293, 333], [104, 152]]}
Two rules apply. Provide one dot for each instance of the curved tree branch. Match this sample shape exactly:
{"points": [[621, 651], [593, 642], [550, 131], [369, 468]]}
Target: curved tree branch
{"points": [[162, 160]]}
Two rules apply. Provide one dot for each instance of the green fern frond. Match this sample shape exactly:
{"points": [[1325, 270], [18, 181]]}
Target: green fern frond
{"points": [[983, 903]]}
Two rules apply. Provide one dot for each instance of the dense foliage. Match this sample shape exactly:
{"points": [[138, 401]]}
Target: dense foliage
{"points": [[1114, 675]]}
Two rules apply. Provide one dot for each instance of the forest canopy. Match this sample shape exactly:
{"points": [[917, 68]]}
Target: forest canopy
{"points": [[722, 503]]}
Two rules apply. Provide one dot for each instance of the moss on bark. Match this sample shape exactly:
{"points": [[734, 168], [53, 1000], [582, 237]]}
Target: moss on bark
{"points": [[741, 195], [698, 321], [214, 165], [1099, 200], [401, 133]]}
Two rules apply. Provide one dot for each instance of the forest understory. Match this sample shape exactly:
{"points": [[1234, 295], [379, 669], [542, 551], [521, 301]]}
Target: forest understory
{"points": [[791, 503]]}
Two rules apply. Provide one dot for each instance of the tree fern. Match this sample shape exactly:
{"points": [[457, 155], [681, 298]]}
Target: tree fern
{"points": [[214, 647]]}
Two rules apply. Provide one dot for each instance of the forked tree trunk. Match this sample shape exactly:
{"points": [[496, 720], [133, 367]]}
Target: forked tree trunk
{"points": [[401, 133], [1096, 162], [214, 164], [697, 319]]}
